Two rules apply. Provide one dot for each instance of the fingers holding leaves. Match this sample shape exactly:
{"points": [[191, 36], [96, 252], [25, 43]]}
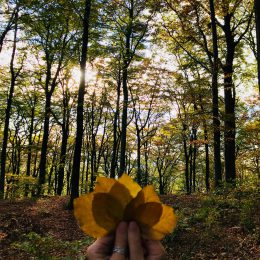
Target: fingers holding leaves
{"points": [[121, 242]]}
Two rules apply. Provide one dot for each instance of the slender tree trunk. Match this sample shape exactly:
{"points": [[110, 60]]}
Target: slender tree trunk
{"points": [[87, 168], [205, 128], [126, 60], [80, 106], [229, 97], [161, 186], [8, 111], [64, 142], [18, 165], [215, 105], [190, 167], [3, 35], [139, 171], [92, 162], [257, 21], [8, 27], [206, 158], [68, 175], [186, 155], [35, 168], [65, 135], [115, 127], [146, 157], [13, 152], [51, 173], [44, 148], [159, 165], [124, 124], [30, 140], [194, 130]]}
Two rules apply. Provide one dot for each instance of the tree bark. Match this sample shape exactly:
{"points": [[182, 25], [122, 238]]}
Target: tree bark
{"points": [[215, 104], [257, 22], [42, 166], [194, 133], [79, 134], [115, 127], [146, 157], [206, 158], [63, 153], [93, 147], [186, 156], [229, 97], [30, 140], [126, 61], [8, 27], [139, 170], [14, 75], [30, 143]]}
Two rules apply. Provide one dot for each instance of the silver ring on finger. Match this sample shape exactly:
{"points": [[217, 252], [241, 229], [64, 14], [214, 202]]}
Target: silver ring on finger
{"points": [[120, 250]]}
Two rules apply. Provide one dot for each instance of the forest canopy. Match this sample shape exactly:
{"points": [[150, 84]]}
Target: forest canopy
{"points": [[166, 91]]}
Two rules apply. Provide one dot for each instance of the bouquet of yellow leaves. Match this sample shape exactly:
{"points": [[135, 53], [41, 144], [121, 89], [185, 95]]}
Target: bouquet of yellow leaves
{"points": [[98, 213]]}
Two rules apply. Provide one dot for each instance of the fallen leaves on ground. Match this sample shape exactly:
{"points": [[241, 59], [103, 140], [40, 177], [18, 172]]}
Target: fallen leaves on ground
{"points": [[194, 238]]}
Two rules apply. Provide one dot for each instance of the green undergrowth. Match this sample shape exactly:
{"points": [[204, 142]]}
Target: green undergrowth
{"points": [[48, 247], [213, 217]]}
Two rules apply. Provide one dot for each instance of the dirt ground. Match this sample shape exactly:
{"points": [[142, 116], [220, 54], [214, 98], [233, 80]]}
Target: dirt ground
{"points": [[45, 229]]}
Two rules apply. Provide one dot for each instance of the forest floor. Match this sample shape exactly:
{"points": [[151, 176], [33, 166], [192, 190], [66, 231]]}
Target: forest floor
{"points": [[209, 227]]}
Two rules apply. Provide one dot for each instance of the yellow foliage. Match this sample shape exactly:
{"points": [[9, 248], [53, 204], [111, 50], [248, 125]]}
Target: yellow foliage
{"points": [[112, 201]]}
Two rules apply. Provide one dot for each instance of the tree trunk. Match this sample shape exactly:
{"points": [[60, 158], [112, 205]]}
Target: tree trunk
{"points": [[126, 60], [146, 157], [115, 126], [206, 158], [51, 173], [8, 27], [30, 142], [215, 105], [124, 123], [8, 111], [18, 164], [65, 135], [229, 97], [87, 168], [186, 155], [79, 134], [190, 167], [194, 133], [44, 148], [92, 162], [64, 142], [139, 171], [159, 165], [257, 21]]}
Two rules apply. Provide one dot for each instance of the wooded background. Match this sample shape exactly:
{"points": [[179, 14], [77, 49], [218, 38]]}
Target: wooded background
{"points": [[169, 95]]}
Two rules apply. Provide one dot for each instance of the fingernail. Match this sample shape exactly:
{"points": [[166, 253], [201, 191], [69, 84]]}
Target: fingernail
{"points": [[133, 226], [122, 226]]}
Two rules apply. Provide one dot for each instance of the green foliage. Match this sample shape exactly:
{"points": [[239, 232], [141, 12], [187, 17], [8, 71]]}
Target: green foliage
{"points": [[216, 223], [43, 247], [239, 208], [247, 214], [19, 185]]}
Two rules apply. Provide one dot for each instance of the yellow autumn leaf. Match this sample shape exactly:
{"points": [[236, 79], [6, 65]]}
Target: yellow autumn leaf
{"points": [[113, 201]]}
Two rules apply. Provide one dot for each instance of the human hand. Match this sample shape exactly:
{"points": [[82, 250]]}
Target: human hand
{"points": [[140, 249], [127, 237]]}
